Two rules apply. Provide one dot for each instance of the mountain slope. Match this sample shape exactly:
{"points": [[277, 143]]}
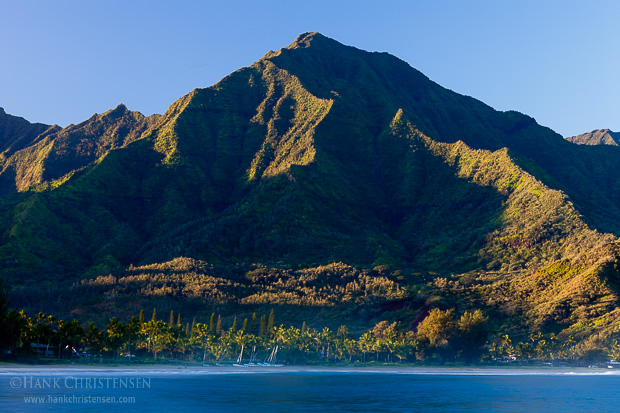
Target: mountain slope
{"points": [[384, 84], [319, 153]]}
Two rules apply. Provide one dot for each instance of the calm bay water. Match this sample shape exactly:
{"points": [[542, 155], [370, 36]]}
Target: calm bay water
{"points": [[305, 391]]}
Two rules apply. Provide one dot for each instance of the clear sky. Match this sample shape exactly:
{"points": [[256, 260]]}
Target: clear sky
{"points": [[63, 60]]}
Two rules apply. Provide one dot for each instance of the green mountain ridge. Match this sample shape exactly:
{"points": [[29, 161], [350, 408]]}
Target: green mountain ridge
{"points": [[17, 133], [317, 153], [57, 151]]}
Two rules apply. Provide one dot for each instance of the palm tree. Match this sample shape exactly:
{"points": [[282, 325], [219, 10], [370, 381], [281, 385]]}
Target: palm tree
{"points": [[132, 331], [366, 343], [154, 332], [94, 339], [117, 334]]}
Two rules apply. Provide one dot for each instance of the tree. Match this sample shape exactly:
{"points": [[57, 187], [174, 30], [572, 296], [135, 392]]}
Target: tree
{"points": [[385, 335], [234, 325], [218, 327], [435, 332], [132, 331], [205, 337], [471, 335], [72, 334], [263, 325], [271, 322], [179, 324], [154, 317], [304, 327], [171, 322], [366, 343], [94, 340], [254, 324], [116, 335], [212, 323], [244, 328], [141, 317], [154, 331], [15, 324], [41, 331], [343, 332]]}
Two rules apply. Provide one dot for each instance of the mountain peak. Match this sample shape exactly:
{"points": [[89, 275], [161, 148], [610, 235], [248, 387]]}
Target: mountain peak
{"points": [[304, 40], [120, 110]]}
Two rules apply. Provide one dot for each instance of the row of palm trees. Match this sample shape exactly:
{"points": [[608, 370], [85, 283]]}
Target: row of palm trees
{"points": [[206, 342], [439, 337]]}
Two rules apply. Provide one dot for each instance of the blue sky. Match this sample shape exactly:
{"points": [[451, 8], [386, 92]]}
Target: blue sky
{"points": [[64, 60]]}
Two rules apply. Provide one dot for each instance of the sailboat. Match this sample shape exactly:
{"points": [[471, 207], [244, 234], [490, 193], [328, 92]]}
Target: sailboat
{"points": [[270, 361], [238, 363], [253, 356]]}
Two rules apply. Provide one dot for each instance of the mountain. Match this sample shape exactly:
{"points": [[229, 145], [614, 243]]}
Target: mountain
{"points": [[322, 176], [57, 152], [16, 133], [596, 137]]}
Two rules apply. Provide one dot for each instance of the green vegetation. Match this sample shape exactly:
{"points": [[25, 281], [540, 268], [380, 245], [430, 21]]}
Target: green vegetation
{"points": [[331, 184], [438, 339]]}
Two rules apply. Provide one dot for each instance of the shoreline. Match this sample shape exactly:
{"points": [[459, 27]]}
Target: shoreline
{"points": [[181, 370]]}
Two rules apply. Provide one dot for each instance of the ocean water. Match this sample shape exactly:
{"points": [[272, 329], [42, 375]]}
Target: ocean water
{"points": [[249, 390]]}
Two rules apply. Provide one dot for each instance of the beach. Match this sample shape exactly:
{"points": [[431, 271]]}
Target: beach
{"points": [[169, 369]]}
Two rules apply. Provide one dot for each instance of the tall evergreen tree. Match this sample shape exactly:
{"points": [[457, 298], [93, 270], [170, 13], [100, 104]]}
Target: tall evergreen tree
{"points": [[179, 324], [263, 325], [234, 325], [191, 332], [141, 317], [187, 330], [304, 328], [171, 322], [245, 325], [154, 317], [254, 324], [218, 327], [212, 324], [272, 321]]}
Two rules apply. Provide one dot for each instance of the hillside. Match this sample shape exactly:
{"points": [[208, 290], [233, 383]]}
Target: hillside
{"points": [[317, 154]]}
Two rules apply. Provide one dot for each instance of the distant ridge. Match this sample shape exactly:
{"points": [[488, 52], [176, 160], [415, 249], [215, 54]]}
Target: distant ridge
{"points": [[17, 133], [597, 137], [39, 153]]}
